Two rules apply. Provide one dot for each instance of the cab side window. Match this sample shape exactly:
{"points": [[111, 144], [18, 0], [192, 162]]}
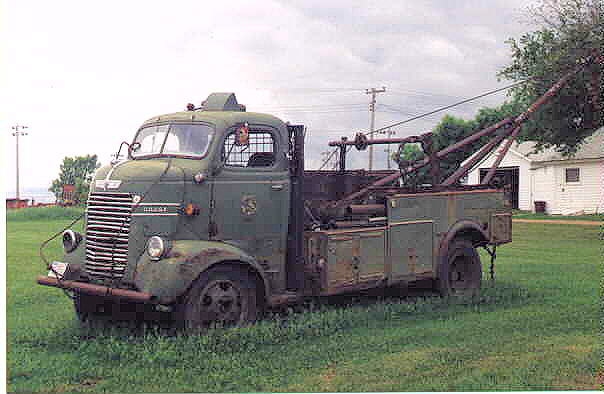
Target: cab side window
{"points": [[260, 152]]}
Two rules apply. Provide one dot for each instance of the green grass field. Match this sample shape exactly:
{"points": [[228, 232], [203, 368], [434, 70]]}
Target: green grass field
{"points": [[537, 328], [542, 216]]}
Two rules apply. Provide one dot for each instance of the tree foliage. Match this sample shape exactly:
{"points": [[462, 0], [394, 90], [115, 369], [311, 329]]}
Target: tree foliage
{"points": [[77, 171], [569, 31], [451, 130]]}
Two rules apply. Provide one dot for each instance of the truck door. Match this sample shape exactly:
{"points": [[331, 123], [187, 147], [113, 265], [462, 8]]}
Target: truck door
{"points": [[251, 195]]}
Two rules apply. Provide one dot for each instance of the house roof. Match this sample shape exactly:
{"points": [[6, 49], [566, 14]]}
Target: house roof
{"points": [[592, 148]]}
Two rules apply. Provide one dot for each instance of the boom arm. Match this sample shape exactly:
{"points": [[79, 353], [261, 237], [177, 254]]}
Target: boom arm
{"points": [[511, 133]]}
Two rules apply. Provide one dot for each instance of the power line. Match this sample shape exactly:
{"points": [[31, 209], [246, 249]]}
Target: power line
{"points": [[451, 106], [428, 114], [302, 106], [333, 152]]}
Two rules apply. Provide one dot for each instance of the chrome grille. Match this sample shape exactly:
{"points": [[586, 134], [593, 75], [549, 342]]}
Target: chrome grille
{"points": [[107, 229]]}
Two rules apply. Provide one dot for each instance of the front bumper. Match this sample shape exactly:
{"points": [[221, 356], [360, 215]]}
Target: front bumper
{"points": [[96, 290]]}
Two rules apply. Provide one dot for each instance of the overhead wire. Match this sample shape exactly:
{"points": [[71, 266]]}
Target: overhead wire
{"points": [[431, 113], [450, 106]]}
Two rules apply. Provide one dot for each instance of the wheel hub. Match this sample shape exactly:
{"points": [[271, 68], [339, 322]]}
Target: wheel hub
{"points": [[221, 302]]}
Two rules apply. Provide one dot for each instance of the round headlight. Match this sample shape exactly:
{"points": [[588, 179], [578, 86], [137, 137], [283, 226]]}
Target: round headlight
{"points": [[71, 240], [155, 247]]}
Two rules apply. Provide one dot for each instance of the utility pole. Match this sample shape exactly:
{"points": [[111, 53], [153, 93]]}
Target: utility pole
{"points": [[18, 132], [372, 92]]}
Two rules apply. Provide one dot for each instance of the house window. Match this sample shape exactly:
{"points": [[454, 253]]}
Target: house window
{"points": [[260, 152], [572, 175]]}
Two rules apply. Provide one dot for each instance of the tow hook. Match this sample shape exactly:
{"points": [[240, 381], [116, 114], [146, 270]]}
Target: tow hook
{"points": [[493, 254]]}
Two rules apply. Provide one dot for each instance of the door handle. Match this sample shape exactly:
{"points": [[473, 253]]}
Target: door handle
{"points": [[277, 187]]}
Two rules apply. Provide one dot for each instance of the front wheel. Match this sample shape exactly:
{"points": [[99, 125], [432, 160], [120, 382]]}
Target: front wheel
{"points": [[91, 312], [460, 271], [221, 297]]}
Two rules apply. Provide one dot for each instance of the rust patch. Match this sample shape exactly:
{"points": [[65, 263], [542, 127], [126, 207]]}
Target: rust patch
{"points": [[185, 270], [451, 209], [356, 248], [249, 205], [412, 260], [341, 272], [210, 252]]}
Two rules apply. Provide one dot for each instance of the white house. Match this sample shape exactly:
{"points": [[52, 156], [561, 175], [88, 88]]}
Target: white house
{"points": [[568, 185]]}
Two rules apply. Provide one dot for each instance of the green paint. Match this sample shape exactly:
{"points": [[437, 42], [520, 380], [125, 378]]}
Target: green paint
{"points": [[242, 215]]}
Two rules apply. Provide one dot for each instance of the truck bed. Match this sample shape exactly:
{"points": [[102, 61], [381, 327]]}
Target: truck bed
{"points": [[405, 244]]}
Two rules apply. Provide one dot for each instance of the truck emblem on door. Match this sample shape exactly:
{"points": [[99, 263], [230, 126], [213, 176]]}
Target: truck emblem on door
{"points": [[248, 205]]}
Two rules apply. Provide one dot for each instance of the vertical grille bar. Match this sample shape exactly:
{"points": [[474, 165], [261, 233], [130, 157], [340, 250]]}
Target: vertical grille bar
{"points": [[107, 232]]}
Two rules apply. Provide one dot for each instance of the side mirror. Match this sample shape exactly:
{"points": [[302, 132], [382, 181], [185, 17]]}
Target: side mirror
{"points": [[242, 135]]}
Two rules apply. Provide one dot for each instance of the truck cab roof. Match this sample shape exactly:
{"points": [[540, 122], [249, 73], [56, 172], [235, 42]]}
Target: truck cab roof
{"points": [[220, 109]]}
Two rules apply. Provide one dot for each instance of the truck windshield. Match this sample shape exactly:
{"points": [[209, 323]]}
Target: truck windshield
{"points": [[188, 140]]}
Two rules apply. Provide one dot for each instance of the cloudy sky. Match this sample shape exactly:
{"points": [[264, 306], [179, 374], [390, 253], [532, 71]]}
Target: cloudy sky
{"points": [[84, 75]]}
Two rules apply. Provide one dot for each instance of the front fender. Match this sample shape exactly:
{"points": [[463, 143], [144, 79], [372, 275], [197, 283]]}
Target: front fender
{"points": [[170, 277]]}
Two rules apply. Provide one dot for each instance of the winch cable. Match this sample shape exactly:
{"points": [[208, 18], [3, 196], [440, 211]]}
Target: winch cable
{"points": [[45, 243], [123, 222]]}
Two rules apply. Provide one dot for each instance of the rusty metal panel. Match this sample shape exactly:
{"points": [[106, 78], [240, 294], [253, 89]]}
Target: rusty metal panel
{"points": [[340, 270], [416, 207], [411, 249], [356, 259], [371, 256], [501, 228]]}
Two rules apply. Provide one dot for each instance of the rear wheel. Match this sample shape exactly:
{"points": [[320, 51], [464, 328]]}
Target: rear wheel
{"points": [[221, 297], [460, 271]]}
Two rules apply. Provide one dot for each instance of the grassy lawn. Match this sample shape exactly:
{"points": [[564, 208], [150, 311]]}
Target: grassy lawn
{"points": [[537, 328], [543, 216]]}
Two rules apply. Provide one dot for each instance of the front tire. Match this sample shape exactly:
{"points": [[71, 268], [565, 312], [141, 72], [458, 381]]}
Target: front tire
{"points": [[460, 271], [90, 312], [221, 297]]}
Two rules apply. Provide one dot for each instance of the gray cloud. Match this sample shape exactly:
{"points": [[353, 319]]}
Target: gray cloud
{"points": [[95, 72]]}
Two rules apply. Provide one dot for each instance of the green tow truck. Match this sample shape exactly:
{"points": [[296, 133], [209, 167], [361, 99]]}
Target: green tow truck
{"points": [[212, 218]]}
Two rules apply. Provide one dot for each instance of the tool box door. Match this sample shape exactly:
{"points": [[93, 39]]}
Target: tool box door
{"points": [[371, 256], [341, 269], [411, 249]]}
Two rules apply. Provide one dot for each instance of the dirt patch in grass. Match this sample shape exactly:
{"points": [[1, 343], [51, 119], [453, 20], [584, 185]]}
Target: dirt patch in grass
{"points": [[580, 382], [327, 378], [600, 379], [578, 349], [85, 384]]}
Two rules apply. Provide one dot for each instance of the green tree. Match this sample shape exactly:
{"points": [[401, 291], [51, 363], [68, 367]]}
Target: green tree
{"points": [[451, 130], [569, 31], [77, 171]]}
